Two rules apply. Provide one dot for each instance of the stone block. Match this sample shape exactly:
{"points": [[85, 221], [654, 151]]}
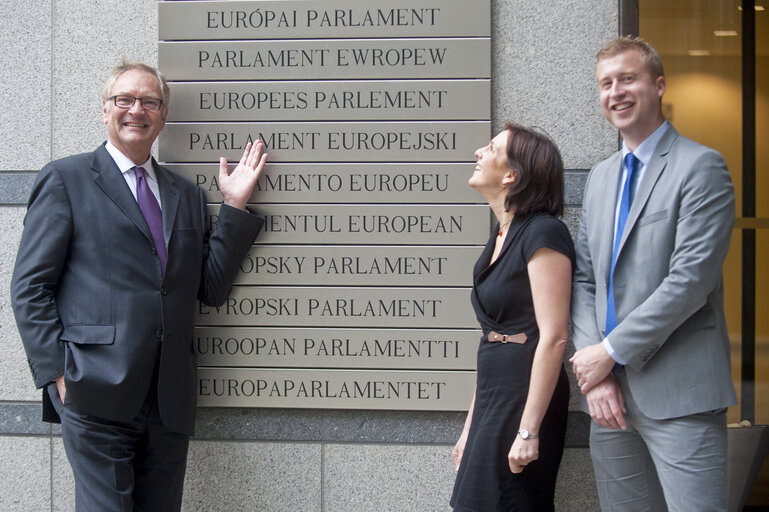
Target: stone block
{"points": [[544, 72], [15, 377], [237, 476], [25, 473], [394, 478], [83, 57], [25, 98]]}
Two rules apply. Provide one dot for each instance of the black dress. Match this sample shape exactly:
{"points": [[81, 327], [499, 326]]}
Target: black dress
{"points": [[502, 301]]}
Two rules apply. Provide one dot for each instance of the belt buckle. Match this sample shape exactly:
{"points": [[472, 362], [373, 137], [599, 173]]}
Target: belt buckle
{"points": [[519, 338]]}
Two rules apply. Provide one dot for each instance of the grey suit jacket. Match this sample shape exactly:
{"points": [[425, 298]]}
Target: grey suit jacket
{"points": [[668, 283], [88, 294]]}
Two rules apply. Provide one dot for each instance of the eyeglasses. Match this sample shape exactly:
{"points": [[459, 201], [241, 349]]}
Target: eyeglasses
{"points": [[151, 104]]}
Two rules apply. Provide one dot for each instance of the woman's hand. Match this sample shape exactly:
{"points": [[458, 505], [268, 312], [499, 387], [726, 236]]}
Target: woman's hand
{"points": [[522, 452], [459, 449]]}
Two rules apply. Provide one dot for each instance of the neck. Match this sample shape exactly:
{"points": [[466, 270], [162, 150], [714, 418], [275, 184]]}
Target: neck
{"points": [[634, 139], [137, 155], [504, 218]]}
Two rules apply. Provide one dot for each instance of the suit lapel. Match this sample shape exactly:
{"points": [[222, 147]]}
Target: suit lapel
{"points": [[606, 210], [111, 181], [654, 169], [169, 198]]}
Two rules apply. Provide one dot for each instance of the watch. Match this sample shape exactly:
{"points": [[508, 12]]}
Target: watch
{"points": [[525, 434]]}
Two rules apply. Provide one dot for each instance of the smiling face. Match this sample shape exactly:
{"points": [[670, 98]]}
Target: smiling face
{"points": [[631, 99], [133, 130], [492, 169]]}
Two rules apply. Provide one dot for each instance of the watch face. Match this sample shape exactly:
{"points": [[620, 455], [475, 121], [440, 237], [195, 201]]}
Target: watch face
{"points": [[524, 434]]}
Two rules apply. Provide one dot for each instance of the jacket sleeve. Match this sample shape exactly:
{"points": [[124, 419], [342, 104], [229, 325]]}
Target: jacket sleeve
{"points": [[584, 328], [40, 261], [224, 250]]}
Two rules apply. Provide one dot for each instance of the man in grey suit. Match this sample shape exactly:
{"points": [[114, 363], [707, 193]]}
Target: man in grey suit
{"points": [[115, 251], [652, 356]]}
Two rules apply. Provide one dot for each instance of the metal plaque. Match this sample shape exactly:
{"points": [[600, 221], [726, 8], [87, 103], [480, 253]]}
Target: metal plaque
{"points": [[408, 308], [313, 265], [327, 142], [326, 59], [336, 389], [299, 347], [356, 293], [313, 19], [330, 100], [364, 224], [347, 183]]}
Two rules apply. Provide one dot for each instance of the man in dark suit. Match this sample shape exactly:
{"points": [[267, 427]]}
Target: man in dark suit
{"points": [[647, 310], [115, 251]]}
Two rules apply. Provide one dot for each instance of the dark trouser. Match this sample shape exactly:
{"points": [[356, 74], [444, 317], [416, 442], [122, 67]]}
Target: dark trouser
{"points": [[123, 467]]}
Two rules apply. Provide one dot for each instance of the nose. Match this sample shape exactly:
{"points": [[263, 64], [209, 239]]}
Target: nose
{"points": [[136, 108], [479, 152], [616, 88]]}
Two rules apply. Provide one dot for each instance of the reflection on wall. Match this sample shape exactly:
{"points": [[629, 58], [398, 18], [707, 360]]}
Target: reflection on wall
{"points": [[703, 98]]}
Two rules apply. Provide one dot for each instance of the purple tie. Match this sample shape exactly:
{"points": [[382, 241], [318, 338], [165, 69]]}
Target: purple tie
{"points": [[148, 204]]}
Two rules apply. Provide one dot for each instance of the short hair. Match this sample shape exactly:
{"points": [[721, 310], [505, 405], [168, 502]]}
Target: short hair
{"points": [[130, 65], [649, 55], [538, 168]]}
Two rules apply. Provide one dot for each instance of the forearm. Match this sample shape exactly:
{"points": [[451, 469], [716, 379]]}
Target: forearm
{"points": [[224, 252], [545, 371], [469, 418], [550, 277]]}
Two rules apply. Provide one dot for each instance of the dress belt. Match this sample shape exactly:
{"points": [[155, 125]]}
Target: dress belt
{"points": [[519, 338]]}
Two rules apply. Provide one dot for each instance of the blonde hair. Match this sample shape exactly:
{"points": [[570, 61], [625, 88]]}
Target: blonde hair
{"points": [[649, 55], [130, 65]]}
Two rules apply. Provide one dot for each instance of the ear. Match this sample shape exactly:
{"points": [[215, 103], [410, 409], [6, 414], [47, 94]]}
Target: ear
{"points": [[104, 113], [660, 83], [508, 179], [163, 118]]}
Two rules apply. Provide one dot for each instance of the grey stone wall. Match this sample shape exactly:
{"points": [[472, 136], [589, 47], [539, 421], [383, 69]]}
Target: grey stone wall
{"points": [[55, 55]]}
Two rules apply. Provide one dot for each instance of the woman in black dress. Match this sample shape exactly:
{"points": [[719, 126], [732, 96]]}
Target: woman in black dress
{"points": [[508, 454]]}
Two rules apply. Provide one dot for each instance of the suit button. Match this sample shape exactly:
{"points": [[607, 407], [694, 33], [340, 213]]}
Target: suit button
{"points": [[163, 292], [159, 333], [154, 251]]}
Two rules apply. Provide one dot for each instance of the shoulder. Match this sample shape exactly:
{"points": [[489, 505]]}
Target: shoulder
{"points": [[611, 162], [545, 231], [546, 223], [72, 163], [69, 171], [695, 163], [681, 148], [600, 172]]}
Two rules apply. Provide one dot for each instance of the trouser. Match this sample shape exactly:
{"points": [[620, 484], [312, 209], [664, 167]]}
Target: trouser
{"points": [[676, 464], [124, 466]]}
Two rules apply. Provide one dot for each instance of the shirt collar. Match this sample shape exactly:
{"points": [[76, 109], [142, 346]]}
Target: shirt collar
{"points": [[645, 150], [125, 164]]}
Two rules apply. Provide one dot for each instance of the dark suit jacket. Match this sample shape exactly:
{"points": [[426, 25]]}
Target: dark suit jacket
{"points": [[88, 294]]}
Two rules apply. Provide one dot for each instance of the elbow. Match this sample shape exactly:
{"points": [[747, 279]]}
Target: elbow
{"points": [[554, 340]]}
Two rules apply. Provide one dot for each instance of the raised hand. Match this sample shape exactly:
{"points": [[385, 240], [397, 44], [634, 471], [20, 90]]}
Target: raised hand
{"points": [[237, 186]]}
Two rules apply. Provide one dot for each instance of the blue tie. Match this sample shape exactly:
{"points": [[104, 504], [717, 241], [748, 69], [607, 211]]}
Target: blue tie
{"points": [[628, 191]]}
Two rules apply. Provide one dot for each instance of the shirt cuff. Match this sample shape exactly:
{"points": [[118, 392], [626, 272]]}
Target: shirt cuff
{"points": [[611, 352]]}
